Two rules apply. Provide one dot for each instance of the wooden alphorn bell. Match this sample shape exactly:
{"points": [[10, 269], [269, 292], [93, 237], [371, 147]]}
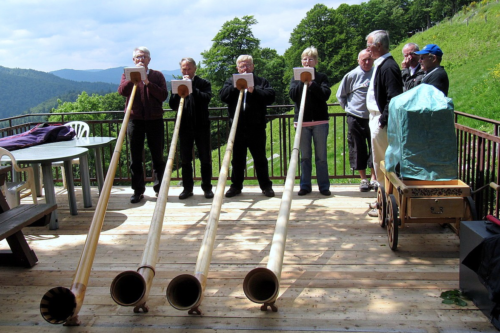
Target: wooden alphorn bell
{"points": [[131, 288], [62, 305], [185, 291], [262, 285]]}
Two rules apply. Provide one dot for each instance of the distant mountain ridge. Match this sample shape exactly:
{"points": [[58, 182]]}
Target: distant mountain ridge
{"points": [[27, 88], [110, 75]]}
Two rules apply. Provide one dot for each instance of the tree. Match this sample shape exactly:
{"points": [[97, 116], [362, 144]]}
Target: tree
{"points": [[86, 103], [234, 39], [270, 65], [336, 35]]}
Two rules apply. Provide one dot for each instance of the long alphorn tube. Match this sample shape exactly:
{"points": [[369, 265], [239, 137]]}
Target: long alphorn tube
{"points": [[131, 288], [262, 285], [62, 305], [185, 291]]}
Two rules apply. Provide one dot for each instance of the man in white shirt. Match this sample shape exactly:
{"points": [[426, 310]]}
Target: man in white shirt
{"points": [[385, 84]]}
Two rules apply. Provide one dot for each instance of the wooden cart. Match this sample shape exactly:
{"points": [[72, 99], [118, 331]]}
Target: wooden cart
{"points": [[421, 201]]}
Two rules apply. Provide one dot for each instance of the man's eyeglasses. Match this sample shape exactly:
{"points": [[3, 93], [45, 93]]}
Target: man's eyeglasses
{"points": [[370, 44], [140, 57], [428, 55]]}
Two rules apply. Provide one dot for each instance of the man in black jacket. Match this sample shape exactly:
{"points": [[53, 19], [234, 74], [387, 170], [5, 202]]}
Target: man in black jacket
{"points": [[435, 75], [411, 72], [195, 128], [251, 130], [386, 83]]}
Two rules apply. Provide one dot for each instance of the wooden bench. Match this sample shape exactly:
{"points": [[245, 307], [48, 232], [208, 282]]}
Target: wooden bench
{"points": [[12, 222]]}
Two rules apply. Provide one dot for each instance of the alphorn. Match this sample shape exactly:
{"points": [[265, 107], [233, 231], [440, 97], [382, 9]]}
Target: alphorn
{"points": [[262, 285], [185, 291], [62, 305], [131, 288]]}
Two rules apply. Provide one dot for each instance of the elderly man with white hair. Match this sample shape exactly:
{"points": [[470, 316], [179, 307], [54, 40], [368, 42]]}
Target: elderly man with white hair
{"points": [[386, 83], [146, 122], [251, 130]]}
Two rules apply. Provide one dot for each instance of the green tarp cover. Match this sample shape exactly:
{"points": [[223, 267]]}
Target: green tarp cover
{"points": [[421, 135]]}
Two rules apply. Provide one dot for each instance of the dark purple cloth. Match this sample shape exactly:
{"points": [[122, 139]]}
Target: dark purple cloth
{"points": [[38, 135]]}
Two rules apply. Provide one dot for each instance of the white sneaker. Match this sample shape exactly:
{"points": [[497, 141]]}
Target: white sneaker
{"points": [[374, 185], [364, 186], [373, 213]]}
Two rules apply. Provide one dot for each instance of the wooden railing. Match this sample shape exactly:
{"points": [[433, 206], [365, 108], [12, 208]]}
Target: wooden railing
{"points": [[478, 161], [478, 151]]}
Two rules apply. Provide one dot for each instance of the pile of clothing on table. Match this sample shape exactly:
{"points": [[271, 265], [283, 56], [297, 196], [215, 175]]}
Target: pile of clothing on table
{"points": [[40, 134]]}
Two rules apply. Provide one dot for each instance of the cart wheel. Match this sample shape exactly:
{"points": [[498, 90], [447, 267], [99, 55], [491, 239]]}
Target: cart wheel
{"points": [[381, 206], [392, 222], [470, 213]]}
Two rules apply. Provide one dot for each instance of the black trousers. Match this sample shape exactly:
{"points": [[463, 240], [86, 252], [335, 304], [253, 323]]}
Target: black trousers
{"points": [[154, 132], [359, 142], [202, 140], [255, 141]]}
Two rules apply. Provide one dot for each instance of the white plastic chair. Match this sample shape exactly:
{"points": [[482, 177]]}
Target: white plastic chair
{"points": [[12, 190], [82, 131], [81, 128]]}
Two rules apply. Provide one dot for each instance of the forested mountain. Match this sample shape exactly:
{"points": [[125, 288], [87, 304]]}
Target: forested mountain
{"points": [[110, 75], [27, 88], [339, 34]]}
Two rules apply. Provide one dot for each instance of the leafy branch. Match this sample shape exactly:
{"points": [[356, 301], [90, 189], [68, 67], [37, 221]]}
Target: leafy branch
{"points": [[454, 297]]}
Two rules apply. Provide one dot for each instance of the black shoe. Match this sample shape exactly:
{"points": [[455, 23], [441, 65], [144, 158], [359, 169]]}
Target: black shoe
{"points": [[268, 192], [326, 193], [232, 192], [304, 192], [136, 198], [209, 194], [185, 194]]}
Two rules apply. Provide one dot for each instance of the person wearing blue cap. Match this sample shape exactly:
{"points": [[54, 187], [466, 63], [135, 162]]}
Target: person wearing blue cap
{"points": [[430, 61]]}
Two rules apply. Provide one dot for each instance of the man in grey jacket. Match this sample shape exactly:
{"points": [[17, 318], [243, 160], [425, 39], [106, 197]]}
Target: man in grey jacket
{"points": [[351, 95]]}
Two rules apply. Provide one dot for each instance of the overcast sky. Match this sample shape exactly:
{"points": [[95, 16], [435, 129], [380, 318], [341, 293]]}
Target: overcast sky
{"points": [[99, 34]]}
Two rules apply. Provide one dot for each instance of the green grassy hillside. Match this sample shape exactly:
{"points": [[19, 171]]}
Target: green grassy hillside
{"points": [[470, 42]]}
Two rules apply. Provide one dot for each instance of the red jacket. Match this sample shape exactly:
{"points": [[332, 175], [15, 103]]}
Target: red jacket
{"points": [[148, 100]]}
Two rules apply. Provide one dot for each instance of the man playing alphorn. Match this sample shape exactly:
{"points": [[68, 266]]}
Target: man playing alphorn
{"points": [[146, 121], [195, 129], [251, 130]]}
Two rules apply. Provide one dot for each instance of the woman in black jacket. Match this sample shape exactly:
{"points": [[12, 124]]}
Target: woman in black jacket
{"points": [[315, 124]]}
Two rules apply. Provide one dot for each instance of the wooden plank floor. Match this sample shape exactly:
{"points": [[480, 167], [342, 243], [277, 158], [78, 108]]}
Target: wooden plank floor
{"points": [[339, 274]]}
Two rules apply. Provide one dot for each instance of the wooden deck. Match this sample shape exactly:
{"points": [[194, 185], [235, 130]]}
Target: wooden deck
{"points": [[339, 274]]}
